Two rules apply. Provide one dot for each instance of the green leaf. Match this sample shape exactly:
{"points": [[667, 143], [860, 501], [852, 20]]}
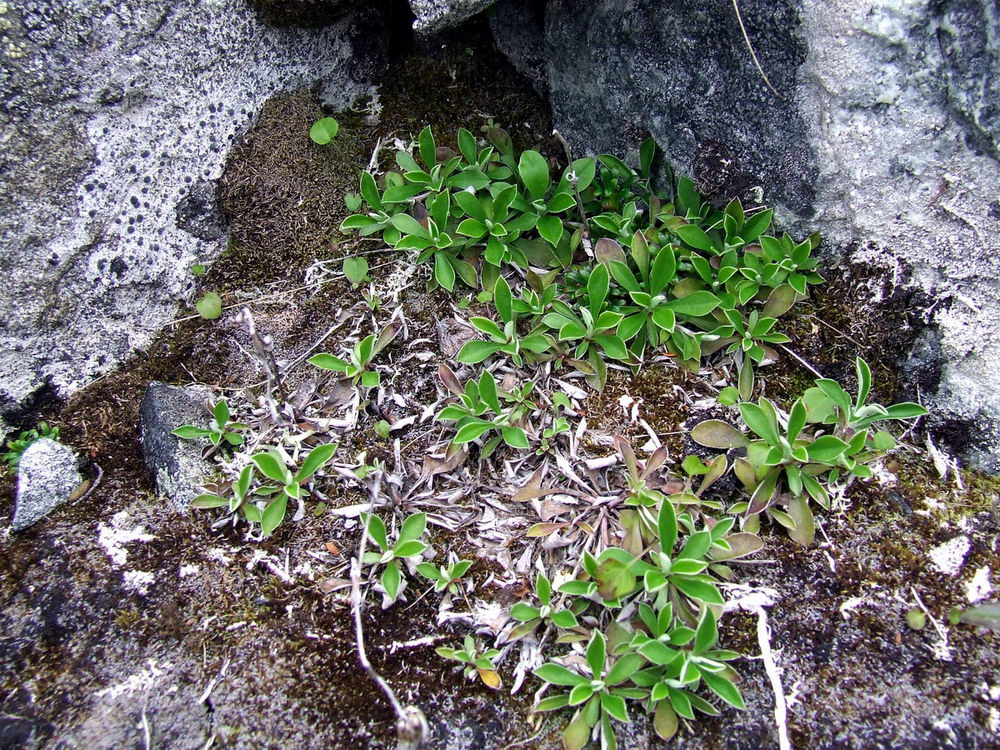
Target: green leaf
{"points": [[695, 304], [355, 269], [534, 172], [761, 421], [556, 674], [515, 437], [408, 225], [488, 391], [190, 432], [524, 613], [728, 396], [209, 306], [369, 190], [272, 466], [906, 411], [723, 688], [796, 419], [413, 527], [826, 449], [391, 578], [503, 300], [444, 272], [273, 514], [714, 433], [614, 705], [665, 720], [471, 431], [324, 130], [597, 288], [328, 362], [409, 548], [376, 530], [695, 237], [428, 149], [756, 225], [316, 458], [596, 654], [474, 352], [699, 590], [707, 633], [666, 527], [564, 619], [662, 272], [551, 229]]}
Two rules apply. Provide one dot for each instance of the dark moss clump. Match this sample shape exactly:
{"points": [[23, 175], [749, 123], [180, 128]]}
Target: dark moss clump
{"points": [[304, 13]]}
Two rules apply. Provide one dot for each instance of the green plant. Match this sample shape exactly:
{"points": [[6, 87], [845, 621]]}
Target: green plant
{"points": [[445, 577], [18, 445], [407, 546], [222, 429], [530, 617], [475, 661], [356, 271], [324, 130], [676, 672], [479, 411], [506, 339], [361, 356], [597, 688], [266, 503], [209, 306], [799, 454]]}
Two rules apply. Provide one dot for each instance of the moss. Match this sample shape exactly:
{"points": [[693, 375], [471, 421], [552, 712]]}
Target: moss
{"points": [[302, 13]]}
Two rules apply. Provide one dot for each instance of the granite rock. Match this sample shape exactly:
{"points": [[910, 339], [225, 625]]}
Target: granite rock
{"points": [[177, 465], [48, 475], [117, 119]]}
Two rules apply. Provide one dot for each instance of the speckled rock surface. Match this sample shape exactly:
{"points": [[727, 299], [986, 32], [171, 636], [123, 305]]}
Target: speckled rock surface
{"points": [[117, 118], [884, 135], [177, 465], [47, 476], [435, 15]]}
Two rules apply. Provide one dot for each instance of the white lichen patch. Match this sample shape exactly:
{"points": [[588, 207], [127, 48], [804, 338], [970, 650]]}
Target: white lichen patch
{"points": [[979, 587], [949, 557], [188, 570], [120, 532], [143, 680], [139, 581]]}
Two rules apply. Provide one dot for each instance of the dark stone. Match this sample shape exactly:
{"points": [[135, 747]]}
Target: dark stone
{"points": [[177, 465], [302, 13], [199, 212]]}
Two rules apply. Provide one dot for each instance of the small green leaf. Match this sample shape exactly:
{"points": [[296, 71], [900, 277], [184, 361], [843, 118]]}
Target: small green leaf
{"points": [[534, 172], [355, 269], [714, 433], [274, 514], [209, 306], [324, 130], [413, 527]]}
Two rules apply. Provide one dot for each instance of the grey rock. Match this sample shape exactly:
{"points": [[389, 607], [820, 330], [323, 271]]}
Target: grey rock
{"points": [[177, 465], [116, 122], [48, 474], [435, 15], [884, 137]]}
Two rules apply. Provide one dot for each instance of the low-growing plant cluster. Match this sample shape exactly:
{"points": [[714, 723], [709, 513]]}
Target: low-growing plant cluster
{"points": [[576, 267], [613, 269]]}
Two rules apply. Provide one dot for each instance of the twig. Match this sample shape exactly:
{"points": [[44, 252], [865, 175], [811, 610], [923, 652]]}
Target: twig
{"points": [[754, 600], [805, 364], [753, 54], [411, 725]]}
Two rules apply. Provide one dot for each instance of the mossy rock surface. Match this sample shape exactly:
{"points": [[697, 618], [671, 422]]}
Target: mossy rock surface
{"points": [[304, 13]]}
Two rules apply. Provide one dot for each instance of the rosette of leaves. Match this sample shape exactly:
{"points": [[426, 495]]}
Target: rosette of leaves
{"points": [[382, 206], [681, 658], [479, 411], [445, 577], [615, 184], [825, 434], [222, 429], [746, 338], [598, 690], [269, 511], [474, 661], [591, 328], [530, 617], [653, 315], [506, 340], [356, 368], [406, 546], [17, 446]]}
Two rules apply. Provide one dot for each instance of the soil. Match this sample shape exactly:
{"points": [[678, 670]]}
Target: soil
{"points": [[227, 642]]}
